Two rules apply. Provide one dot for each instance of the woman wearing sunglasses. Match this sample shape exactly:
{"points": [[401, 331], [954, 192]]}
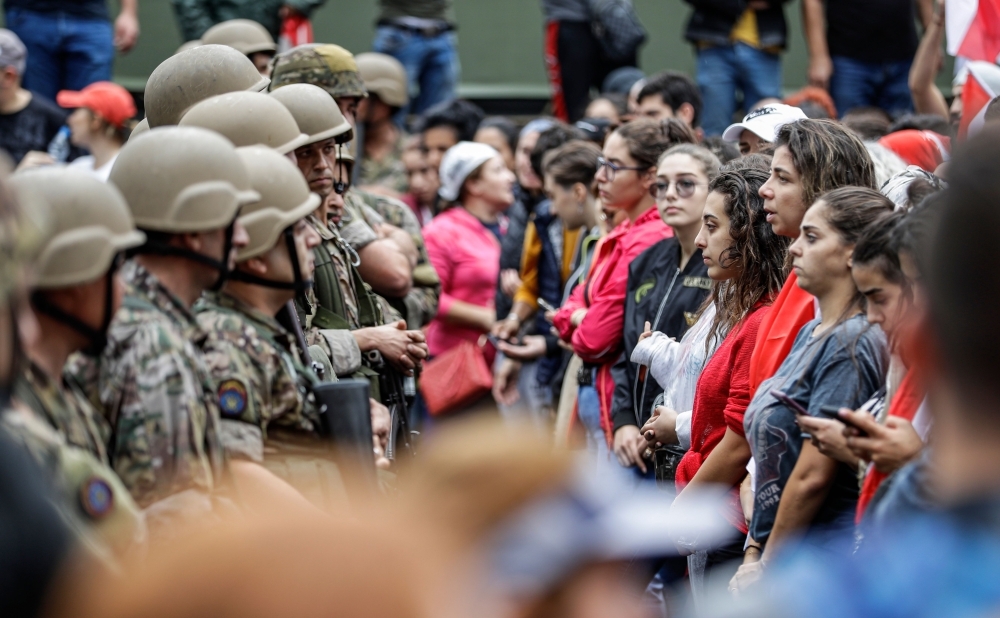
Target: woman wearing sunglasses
{"points": [[591, 319], [667, 283]]}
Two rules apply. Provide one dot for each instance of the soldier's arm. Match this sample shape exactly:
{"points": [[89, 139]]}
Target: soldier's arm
{"points": [[386, 268], [340, 346]]}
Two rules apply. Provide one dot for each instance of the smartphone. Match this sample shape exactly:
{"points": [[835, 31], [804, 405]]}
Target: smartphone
{"points": [[544, 304], [790, 403], [834, 413]]}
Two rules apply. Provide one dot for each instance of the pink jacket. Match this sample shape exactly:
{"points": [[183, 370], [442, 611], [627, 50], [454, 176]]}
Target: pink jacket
{"points": [[466, 256]]}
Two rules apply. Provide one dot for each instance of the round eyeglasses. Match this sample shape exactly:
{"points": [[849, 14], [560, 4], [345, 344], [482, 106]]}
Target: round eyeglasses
{"points": [[684, 187], [613, 168]]}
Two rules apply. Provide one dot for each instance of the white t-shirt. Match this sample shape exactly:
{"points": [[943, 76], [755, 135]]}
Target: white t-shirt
{"points": [[86, 164]]}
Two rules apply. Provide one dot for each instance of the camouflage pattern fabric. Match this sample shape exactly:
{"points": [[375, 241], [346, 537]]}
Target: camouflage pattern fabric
{"points": [[65, 410], [389, 172], [330, 67], [155, 391]]}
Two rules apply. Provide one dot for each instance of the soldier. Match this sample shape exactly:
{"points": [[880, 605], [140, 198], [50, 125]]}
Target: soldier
{"points": [[247, 37], [73, 298], [255, 361], [381, 168], [193, 75], [184, 188], [248, 119], [333, 68]]}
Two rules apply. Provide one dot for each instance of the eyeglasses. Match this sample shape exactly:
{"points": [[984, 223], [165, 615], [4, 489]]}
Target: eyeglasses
{"points": [[685, 188], [612, 168]]}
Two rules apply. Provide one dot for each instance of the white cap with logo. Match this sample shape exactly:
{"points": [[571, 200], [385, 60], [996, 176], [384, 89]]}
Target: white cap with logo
{"points": [[764, 122], [461, 160]]}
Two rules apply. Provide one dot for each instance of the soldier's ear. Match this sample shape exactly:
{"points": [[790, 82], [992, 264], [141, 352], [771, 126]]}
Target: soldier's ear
{"points": [[255, 265]]}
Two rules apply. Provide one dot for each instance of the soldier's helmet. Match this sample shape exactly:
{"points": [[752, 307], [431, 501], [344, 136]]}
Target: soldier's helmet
{"points": [[284, 199], [244, 35], [90, 225], [385, 76], [24, 222], [195, 75], [331, 67], [315, 112], [140, 127], [182, 179], [248, 119]]}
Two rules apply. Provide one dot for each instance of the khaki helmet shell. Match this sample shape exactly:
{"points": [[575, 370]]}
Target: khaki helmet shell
{"points": [[315, 111], [244, 35], [140, 127], [90, 224], [182, 179], [194, 75], [284, 199], [24, 223], [384, 76], [247, 119], [331, 67]]}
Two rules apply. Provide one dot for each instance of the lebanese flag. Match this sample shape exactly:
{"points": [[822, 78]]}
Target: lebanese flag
{"points": [[982, 85], [973, 29]]}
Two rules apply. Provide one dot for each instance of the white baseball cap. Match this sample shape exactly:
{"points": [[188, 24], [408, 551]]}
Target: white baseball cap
{"points": [[764, 122], [461, 160]]}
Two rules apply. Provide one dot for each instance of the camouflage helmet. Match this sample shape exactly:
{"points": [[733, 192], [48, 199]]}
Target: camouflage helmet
{"points": [[316, 113], [331, 67], [140, 127], [247, 119], [244, 35], [182, 179], [90, 225], [384, 76], [194, 75], [284, 199]]}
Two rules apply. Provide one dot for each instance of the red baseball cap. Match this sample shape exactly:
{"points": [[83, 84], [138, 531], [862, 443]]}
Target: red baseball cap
{"points": [[108, 100]]}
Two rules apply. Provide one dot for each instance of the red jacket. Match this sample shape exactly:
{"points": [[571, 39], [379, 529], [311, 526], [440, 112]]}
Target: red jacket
{"points": [[792, 308], [598, 338], [720, 401]]}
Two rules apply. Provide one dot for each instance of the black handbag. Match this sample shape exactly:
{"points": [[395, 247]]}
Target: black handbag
{"points": [[617, 29]]}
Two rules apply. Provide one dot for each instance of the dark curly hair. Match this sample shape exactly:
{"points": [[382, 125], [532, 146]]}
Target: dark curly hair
{"points": [[756, 251]]}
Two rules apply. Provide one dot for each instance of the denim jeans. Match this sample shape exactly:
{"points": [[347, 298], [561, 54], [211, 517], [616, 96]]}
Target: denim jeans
{"points": [[589, 411], [863, 84], [724, 70], [65, 52], [431, 64]]}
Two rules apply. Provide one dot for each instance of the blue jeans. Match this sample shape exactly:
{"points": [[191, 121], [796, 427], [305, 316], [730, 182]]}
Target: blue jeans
{"points": [[65, 52], [589, 411], [724, 70], [870, 84], [431, 64]]}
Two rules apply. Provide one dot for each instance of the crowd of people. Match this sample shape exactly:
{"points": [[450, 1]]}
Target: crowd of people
{"points": [[288, 346]]}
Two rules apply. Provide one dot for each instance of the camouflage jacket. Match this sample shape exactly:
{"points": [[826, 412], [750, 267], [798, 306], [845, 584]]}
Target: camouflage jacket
{"points": [[388, 172], [260, 376], [154, 389], [64, 409]]}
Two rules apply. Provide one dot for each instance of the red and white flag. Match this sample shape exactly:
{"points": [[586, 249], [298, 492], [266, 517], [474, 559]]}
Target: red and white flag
{"points": [[973, 29], [982, 85]]}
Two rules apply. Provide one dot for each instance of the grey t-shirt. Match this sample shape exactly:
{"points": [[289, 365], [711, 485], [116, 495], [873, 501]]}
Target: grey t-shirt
{"points": [[841, 368]]}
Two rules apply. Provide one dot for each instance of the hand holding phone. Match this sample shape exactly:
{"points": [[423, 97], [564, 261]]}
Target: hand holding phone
{"points": [[789, 403], [834, 413]]}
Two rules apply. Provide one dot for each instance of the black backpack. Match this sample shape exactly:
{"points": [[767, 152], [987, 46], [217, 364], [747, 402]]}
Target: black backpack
{"points": [[616, 27]]}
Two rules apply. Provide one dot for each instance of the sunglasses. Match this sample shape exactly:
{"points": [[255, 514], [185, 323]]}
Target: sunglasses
{"points": [[684, 188]]}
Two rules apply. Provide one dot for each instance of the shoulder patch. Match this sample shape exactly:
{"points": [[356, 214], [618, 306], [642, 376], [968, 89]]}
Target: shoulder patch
{"points": [[643, 290], [232, 398], [704, 283], [96, 497]]}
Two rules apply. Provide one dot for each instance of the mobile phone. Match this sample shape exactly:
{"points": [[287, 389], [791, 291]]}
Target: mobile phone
{"points": [[544, 304], [834, 413], [790, 403]]}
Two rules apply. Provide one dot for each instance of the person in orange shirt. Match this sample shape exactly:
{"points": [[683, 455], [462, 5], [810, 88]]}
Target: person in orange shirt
{"points": [[811, 157]]}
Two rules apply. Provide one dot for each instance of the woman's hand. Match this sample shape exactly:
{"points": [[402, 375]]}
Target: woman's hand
{"points": [[530, 348], [748, 574], [505, 382], [661, 428], [647, 332], [510, 281], [626, 447], [828, 436], [889, 446], [577, 317]]}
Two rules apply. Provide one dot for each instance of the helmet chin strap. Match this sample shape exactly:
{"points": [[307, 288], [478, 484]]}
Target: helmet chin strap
{"points": [[299, 284], [222, 266], [18, 359], [97, 337]]}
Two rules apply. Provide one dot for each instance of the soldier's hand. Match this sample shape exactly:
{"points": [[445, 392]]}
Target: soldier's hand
{"points": [[381, 423], [395, 343]]}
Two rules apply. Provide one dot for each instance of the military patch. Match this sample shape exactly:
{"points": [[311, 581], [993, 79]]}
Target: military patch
{"points": [[690, 318], [96, 497], [232, 398], [643, 290], [697, 282]]}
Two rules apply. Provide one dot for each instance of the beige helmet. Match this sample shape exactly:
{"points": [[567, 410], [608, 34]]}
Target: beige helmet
{"points": [[194, 75], [24, 223], [315, 112], [90, 225], [182, 179], [247, 119], [331, 67], [140, 127], [244, 35], [284, 199], [384, 76]]}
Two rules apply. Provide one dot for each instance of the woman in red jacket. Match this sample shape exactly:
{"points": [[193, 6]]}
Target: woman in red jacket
{"points": [[591, 320], [746, 259]]}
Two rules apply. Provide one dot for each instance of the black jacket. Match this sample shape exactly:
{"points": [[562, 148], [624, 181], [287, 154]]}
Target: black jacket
{"points": [[669, 299], [712, 21]]}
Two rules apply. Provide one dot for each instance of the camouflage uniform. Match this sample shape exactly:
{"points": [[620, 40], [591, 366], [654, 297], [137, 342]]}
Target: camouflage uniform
{"points": [[153, 387], [389, 172]]}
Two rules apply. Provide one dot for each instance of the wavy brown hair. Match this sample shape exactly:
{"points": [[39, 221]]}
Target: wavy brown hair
{"points": [[826, 156], [756, 251]]}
